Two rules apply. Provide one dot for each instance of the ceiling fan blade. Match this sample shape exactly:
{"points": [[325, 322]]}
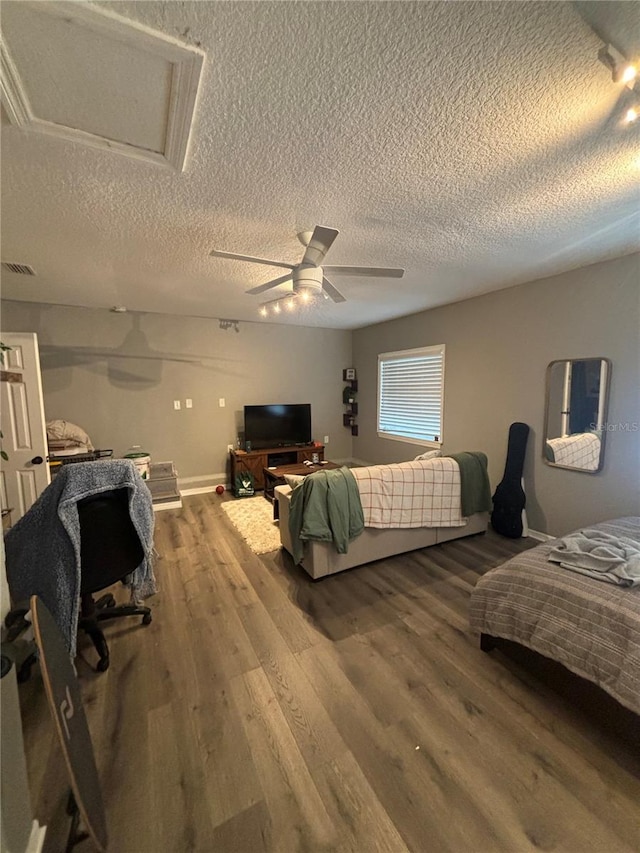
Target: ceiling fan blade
{"points": [[216, 254], [331, 291], [319, 244], [269, 284], [372, 272]]}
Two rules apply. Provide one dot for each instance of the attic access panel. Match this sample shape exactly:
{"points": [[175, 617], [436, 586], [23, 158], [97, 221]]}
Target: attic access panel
{"points": [[93, 77]]}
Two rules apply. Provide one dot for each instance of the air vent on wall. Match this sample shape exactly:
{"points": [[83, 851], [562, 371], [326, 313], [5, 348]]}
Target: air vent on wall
{"points": [[20, 269]]}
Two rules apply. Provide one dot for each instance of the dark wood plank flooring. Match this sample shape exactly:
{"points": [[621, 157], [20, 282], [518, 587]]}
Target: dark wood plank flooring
{"points": [[261, 711]]}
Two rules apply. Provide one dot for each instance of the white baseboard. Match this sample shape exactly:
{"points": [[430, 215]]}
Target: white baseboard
{"points": [[177, 504], [203, 490], [541, 537], [202, 484], [205, 483], [201, 480]]}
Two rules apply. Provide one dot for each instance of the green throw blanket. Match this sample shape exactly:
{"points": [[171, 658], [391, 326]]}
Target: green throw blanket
{"points": [[474, 482], [325, 507]]}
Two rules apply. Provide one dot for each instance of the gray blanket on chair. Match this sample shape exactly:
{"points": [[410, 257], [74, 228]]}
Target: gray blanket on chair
{"points": [[43, 548]]}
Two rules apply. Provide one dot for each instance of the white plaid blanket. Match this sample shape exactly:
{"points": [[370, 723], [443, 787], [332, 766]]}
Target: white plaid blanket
{"points": [[578, 451], [411, 494]]}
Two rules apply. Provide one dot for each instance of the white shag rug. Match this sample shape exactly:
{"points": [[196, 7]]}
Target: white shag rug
{"points": [[253, 519]]}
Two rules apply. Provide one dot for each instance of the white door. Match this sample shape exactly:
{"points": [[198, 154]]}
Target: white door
{"points": [[18, 832], [26, 473]]}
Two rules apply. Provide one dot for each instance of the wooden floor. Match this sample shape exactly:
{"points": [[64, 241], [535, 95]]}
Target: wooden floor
{"points": [[261, 711]]}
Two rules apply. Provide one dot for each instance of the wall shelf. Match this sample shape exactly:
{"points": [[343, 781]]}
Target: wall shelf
{"points": [[349, 400]]}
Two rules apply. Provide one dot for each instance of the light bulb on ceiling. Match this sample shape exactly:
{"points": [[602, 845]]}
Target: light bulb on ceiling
{"points": [[631, 115], [290, 304], [622, 71], [276, 308], [304, 295], [628, 73], [263, 311]]}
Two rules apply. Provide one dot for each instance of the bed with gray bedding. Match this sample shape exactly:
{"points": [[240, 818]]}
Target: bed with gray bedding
{"points": [[590, 626]]}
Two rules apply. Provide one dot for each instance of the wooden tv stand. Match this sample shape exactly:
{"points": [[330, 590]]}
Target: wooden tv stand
{"points": [[255, 461]]}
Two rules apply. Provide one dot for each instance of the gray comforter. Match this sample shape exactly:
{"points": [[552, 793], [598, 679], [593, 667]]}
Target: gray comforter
{"points": [[592, 628]]}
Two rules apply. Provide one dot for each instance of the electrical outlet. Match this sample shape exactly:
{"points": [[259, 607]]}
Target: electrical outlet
{"points": [[326, 439], [229, 447], [176, 405], [188, 403], [221, 402]]}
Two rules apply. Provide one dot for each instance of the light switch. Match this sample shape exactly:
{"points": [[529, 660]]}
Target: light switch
{"points": [[188, 403], [326, 439], [176, 405], [221, 402]]}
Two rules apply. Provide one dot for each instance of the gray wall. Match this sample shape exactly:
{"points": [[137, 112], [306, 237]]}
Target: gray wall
{"points": [[117, 375], [498, 347], [121, 388]]}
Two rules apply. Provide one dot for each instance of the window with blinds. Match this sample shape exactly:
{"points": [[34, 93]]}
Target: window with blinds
{"points": [[411, 394]]}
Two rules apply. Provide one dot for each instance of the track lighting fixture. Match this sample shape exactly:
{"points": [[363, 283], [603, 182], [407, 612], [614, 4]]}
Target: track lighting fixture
{"points": [[627, 73], [289, 302], [308, 279], [622, 71]]}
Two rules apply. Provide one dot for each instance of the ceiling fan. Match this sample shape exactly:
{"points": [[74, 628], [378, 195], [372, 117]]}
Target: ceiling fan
{"points": [[308, 278]]}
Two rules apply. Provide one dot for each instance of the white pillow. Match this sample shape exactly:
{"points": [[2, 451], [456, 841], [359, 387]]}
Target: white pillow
{"points": [[294, 480], [72, 435], [428, 454]]}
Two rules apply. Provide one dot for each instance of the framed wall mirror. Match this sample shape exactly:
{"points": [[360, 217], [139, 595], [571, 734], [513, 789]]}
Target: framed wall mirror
{"points": [[576, 413]]}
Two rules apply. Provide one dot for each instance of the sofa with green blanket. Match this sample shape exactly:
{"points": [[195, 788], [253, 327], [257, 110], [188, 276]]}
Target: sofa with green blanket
{"points": [[402, 507]]}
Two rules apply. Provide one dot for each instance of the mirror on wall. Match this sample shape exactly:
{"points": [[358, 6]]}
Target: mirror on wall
{"points": [[575, 421]]}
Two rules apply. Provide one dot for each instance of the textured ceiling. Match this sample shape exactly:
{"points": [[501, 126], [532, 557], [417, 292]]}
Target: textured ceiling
{"points": [[478, 145]]}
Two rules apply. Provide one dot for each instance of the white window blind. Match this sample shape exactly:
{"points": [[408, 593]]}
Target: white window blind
{"points": [[410, 394]]}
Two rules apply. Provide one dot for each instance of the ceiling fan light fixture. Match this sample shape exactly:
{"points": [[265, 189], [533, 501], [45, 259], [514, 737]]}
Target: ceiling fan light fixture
{"points": [[307, 279], [632, 114]]}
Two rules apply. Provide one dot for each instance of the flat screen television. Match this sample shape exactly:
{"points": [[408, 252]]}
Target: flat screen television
{"points": [[278, 425]]}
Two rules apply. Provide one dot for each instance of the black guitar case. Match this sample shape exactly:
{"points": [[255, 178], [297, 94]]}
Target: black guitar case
{"points": [[509, 498]]}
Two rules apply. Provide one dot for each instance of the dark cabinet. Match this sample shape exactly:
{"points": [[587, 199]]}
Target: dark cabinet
{"points": [[255, 461]]}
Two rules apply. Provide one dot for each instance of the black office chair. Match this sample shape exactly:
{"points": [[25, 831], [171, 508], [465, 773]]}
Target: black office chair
{"points": [[110, 549]]}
